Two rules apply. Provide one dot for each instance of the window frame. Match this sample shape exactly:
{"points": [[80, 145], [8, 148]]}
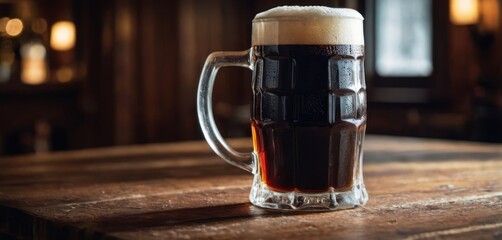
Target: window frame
{"points": [[409, 89]]}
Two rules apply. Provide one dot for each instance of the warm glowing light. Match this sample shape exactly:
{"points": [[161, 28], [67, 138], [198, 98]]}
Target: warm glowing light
{"points": [[464, 12], [33, 64], [64, 74], [3, 23], [39, 25], [14, 27], [33, 71], [63, 36], [490, 15]]}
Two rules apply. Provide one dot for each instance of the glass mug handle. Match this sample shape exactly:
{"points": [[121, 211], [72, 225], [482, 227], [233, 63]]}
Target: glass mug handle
{"points": [[205, 112]]}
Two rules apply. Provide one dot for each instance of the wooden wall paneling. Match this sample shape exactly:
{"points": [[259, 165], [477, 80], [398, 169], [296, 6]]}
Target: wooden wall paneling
{"points": [[126, 77], [440, 91], [189, 58], [130, 89], [103, 78], [205, 27], [168, 70], [158, 74], [147, 89], [94, 48], [233, 88], [486, 105], [462, 67]]}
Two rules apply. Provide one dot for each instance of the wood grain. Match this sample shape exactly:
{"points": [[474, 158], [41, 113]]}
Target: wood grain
{"points": [[418, 188]]}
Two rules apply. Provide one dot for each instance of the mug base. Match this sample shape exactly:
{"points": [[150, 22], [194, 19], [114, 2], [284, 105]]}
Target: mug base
{"points": [[264, 197]]}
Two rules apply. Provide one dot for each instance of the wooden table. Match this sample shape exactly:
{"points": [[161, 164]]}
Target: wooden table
{"points": [[418, 188]]}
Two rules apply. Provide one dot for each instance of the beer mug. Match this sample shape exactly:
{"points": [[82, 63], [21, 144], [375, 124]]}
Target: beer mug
{"points": [[308, 113]]}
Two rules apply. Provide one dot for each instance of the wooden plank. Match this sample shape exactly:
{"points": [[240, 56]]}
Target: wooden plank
{"points": [[418, 188]]}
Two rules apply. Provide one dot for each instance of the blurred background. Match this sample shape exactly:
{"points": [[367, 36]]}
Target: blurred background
{"points": [[78, 74]]}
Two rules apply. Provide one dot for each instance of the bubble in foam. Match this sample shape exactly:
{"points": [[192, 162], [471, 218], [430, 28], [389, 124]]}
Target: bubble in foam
{"points": [[308, 25], [309, 11]]}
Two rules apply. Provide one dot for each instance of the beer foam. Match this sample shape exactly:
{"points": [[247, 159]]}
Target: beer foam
{"points": [[308, 25], [309, 11]]}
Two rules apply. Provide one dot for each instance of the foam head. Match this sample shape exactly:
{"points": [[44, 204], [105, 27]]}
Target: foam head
{"points": [[312, 25]]}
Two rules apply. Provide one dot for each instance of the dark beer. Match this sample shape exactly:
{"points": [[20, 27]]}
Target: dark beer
{"points": [[308, 115]]}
